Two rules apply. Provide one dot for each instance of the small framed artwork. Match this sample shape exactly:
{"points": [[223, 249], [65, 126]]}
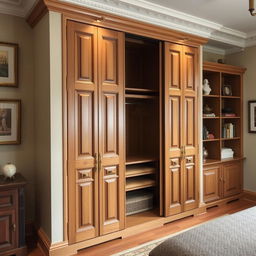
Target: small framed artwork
{"points": [[10, 123], [227, 90], [252, 116], [8, 64]]}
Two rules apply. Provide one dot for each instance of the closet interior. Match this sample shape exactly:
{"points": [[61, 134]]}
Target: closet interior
{"points": [[142, 107]]}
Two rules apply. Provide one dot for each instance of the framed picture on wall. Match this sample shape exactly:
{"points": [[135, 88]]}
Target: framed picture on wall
{"points": [[8, 64], [10, 123], [252, 116]]}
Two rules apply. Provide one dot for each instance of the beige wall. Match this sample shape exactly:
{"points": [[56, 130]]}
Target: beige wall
{"points": [[16, 30], [212, 57], [42, 124], [247, 59]]}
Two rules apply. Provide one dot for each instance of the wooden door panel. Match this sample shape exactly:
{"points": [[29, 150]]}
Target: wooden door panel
{"points": [[110, 124], [190, 124], [8, 236], [111, 199], [82, 93], [175, 198], [190, 183], [232, 178], [190, 71], [212, 189], [175, 125], [111, 133], [86, 204]]}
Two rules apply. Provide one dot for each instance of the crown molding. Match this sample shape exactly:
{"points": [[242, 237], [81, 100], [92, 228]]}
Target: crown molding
{"points": [[152, 13], [215, 50]]}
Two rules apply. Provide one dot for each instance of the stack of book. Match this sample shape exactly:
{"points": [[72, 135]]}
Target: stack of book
{"points": [[227, 153], [228, 131]]}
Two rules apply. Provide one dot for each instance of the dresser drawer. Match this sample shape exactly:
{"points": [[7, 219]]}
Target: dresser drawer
{"points": [[8, 198]]}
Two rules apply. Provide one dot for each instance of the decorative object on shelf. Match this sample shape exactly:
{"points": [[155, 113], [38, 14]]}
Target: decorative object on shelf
{"points": [[10, 121], [252, 116], [207, 111], [205, 133], [228, 112], [227, 153], [8, 64], [9, 170], [221, 61], [206, 87], [210, 136], [251, 7], [227, 90], [228, 131], [205, 154]]}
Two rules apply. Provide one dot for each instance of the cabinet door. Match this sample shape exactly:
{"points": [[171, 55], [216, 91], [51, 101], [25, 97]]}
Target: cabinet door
{"points": [[8, 232], [111, 130], [190, 128], [82, 92], [212, 183], [173, 129], [232, 177]]}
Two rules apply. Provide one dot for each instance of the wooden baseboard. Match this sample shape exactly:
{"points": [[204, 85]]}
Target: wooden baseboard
{"points": [[249, 195]]}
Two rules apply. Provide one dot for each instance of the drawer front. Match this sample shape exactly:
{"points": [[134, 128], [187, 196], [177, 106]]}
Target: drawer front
{"points": [[8, 199], [8, 227]]}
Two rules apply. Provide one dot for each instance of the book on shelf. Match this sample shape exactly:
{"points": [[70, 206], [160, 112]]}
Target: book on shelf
{"points": [[209, 115], [229, 115], [228, 131]]}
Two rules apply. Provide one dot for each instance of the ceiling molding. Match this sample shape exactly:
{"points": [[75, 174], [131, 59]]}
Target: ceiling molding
{"points": [[156, 14], [151, 13], [215, 50]]}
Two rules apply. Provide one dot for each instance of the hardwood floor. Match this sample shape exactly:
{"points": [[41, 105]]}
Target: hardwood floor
{"points": [[118, 245]]}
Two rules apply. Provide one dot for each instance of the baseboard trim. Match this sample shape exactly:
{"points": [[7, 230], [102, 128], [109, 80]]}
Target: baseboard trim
{"points": [[45, 245], [249, 195]]}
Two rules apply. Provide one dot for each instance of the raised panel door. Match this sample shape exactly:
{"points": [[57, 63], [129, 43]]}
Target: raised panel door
{"points": [[111, 133], [173, 129], [8, 232], [212, 185], [82, 92], [232, 177]]}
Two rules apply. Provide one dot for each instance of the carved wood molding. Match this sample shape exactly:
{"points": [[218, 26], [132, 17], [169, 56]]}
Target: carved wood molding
{"points": [[111, 21]]}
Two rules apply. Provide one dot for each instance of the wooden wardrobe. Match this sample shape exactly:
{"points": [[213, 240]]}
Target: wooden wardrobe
{"points": [[132, 125]]}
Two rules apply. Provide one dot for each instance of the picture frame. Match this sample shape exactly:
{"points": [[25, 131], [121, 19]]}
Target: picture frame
{"points": [[10, 121], [8, 64], [227, 90], [252, 116]]}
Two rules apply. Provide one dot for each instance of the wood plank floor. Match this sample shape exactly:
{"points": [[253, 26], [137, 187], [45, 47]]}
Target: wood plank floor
{"points": [[118, 245]]}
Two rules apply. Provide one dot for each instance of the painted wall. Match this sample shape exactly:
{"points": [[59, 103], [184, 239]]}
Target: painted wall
{"points": [[212, 57], [42, 124], [16, 30], [48, 125], [247, 59]]}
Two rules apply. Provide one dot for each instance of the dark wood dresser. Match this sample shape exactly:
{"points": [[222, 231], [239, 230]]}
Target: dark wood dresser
{"points": [[12, 216]]}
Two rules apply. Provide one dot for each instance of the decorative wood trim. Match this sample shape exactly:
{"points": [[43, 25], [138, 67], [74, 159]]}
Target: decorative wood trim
{"points": [[249, 195], [223, 201], [224, 68], [111, 21], [46, 247], [37, 13]]}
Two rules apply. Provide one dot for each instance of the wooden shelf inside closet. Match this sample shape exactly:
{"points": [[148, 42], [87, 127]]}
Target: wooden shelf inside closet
{"points": [[142, 89]]}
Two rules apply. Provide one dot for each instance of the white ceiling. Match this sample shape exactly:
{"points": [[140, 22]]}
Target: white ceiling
{"points": [[233, 14], [227, 23]]}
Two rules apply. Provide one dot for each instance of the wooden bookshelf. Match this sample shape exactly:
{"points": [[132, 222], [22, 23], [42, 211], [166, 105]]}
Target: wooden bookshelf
{"points": [[218, 76]]}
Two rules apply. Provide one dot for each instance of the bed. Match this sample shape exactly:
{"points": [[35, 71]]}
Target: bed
{"points": [[232, 235]]}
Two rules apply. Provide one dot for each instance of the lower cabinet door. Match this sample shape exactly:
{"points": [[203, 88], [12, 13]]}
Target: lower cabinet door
{"points": [[8, 230], [232, 177], [212, 185]]}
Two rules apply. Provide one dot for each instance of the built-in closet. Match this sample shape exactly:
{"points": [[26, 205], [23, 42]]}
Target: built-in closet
{"points": [[132, 144]]}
